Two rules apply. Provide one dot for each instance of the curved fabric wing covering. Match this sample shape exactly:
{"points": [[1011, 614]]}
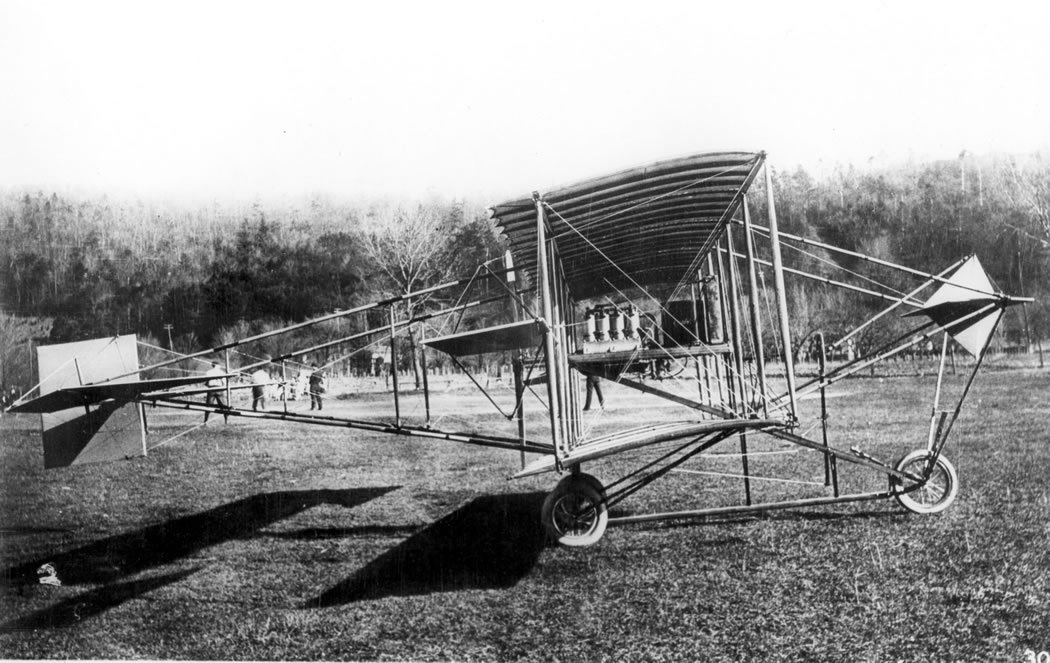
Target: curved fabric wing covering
{"points": [[640, 227]]}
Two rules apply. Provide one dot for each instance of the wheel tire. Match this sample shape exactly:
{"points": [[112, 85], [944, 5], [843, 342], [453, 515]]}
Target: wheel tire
{"points": [[574, 513], [590, 480], [932, 496]]}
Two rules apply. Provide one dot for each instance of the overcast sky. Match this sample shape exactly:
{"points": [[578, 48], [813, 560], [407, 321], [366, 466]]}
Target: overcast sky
{"points": [[241, 100]]}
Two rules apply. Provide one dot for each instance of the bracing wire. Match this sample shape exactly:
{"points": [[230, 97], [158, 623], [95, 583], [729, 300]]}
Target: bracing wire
{"points": [[665, 350], [769, 311], [732, 475], [39, 384], [834, 264], [616, 266], [176, 436]]}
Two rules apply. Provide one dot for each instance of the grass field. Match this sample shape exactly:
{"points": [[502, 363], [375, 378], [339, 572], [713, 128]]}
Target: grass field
{"points": [[264, 540]]}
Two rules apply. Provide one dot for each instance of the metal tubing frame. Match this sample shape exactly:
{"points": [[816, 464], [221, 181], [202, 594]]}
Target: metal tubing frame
{"points": [[754, 508], [713, 277], [934, 428], [958, 406], [369, 332], [466, 371], [518, 366], [861, 363], [886, 263], [703, 443], [674, 398], [838, 284], [423, 367], [698, 362], [781, 295], [831, 473], [694, 293], [226, 357], [736, 327], [559, 308], [393, 367], [886, 311], [851, 456], [574, 376], [738, 357], [291, 328], [859, 458], [516, 300], [284, 384], [725, 392], [550, 356], [754, 309], [512, 444]]}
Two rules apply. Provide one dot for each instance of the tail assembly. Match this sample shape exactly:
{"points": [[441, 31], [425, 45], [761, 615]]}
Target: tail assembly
{"points": [[78, 426]]}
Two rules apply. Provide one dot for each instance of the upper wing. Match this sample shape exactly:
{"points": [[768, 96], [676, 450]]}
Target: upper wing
{"points": [[644, 226]]}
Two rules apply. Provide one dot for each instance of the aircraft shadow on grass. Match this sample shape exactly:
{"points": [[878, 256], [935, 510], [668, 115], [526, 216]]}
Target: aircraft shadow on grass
{"points": [[490, 543], [112, 560], [89, 604]]}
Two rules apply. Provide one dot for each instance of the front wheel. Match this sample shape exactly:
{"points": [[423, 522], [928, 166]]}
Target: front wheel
{"points": [[933, 495], [575, 513], [592, 481]]}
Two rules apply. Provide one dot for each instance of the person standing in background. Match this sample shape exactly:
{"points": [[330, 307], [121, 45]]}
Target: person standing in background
{"points": [[594, 387], [260, 381], [216, 381], [318, 386]]}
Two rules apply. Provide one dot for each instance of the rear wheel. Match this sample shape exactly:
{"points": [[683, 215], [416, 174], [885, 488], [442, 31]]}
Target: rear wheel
{"points": [[574, 513], [933, 495]]}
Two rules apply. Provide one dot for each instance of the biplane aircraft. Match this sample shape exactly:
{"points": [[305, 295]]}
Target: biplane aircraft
{"points": [[638, 277]]}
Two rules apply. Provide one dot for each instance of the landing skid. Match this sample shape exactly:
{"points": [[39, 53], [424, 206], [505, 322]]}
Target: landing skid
{"points": [[577, 512]]}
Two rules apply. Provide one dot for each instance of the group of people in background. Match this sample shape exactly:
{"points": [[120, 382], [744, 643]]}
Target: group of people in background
{"points": [[312, 381]]}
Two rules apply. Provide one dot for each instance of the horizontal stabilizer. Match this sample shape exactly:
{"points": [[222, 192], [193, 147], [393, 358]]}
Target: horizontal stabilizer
{"points": [[968, 305], [516, 335], [70, 397]]}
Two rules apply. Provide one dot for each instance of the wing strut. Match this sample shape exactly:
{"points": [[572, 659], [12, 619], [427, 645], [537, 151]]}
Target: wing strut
{"points": [[550, 344], [781, 295]]}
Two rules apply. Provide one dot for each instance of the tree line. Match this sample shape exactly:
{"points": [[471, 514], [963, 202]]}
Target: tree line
{"points": [[77, 267], [185, 280], [925, 216]]}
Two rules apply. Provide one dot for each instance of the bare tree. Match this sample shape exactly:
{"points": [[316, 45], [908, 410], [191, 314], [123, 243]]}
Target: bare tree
{"points": [[412, 249], [1028, 187]]}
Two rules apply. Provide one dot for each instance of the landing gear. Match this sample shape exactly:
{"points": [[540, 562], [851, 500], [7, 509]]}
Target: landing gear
{"points": [[933, 495], [575, 513]]}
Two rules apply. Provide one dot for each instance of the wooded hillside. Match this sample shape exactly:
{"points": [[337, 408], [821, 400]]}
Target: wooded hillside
{"points": [[97, 267]]}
